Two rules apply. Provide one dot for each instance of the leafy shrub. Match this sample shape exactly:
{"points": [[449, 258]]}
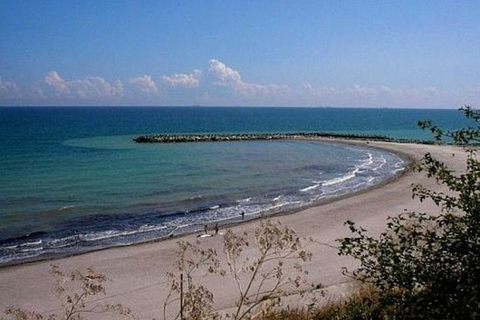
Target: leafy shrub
{"points": [[426, 266]]}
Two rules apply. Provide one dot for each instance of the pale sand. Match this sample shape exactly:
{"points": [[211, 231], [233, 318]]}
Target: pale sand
{"points": [[138, 272]]}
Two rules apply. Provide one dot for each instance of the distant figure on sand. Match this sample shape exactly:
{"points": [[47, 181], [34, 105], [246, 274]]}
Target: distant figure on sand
{"points": [[205, 229], [216, 229], [243, 215]]}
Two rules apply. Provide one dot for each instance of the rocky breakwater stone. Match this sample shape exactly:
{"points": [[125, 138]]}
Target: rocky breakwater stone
{"points": [[182, 138]]}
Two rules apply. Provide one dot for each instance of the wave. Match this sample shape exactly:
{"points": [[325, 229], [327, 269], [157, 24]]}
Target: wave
{"points": [[66, 208], [277, 198], [398, 170], [367, 172], [246, 200], [382, 163], [315, 186], [352, 174], [100, 231], [25, 237], [341, 179]]}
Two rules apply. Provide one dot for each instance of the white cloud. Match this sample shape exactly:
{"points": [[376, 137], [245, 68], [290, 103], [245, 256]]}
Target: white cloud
{"points": [[223, 76], [53, 79], [8, 90], [219, 84], [95, 87], [376, 96], [88, 88], [191, 80], [145, 84], [216, 84]]}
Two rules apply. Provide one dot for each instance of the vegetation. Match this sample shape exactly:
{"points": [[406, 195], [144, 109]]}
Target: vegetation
{"points": [[428, 266], [422, 266], [74, 290], [259, 276], [362, 304]]}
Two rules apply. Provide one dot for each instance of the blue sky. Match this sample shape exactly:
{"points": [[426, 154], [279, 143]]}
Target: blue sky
{"points": [[253, 53]]}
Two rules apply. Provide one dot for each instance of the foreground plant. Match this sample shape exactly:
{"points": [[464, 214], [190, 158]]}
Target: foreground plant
{"points": [[194, 301], [74, 289], [428, 266], [259, 274]]}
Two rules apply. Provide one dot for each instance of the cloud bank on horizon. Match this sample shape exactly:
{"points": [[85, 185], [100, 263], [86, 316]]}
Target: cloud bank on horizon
{"points": [[216, 84], [240, 53]]}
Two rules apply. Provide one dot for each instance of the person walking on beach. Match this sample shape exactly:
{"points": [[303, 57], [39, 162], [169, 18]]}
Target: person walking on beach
{"points": [[243, 215], [216, 229], [205, 229]]}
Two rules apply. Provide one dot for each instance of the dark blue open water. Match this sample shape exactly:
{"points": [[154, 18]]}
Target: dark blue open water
{"points": [[72, 180]]}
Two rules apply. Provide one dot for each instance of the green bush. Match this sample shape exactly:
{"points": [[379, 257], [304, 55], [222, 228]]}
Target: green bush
{"points": [[425, 266]]}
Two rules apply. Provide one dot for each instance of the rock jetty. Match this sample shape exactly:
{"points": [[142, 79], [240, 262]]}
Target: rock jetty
{"points": [[181, 138]]}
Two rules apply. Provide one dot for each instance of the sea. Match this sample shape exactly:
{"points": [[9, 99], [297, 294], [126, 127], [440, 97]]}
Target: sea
{"points": [[73, 180]]}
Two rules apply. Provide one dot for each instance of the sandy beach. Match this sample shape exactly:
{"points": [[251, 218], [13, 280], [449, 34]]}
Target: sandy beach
{"points": [[138, 272]]}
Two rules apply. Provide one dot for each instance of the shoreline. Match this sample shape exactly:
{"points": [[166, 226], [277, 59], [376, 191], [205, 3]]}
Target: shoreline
{"points": [[409, 163], [138, 271]]}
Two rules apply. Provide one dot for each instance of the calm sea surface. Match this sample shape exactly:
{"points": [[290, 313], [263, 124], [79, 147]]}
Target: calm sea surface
{"points": [[72, 180]]}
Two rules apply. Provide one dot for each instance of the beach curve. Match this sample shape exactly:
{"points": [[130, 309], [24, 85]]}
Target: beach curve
{"points": [[139, 271]]}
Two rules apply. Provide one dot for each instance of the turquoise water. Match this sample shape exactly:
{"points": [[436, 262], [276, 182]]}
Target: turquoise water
{"points": [[73, 180]]}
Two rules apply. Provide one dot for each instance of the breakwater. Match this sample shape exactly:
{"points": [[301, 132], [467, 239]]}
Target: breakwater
{"points": [[182, 138]]}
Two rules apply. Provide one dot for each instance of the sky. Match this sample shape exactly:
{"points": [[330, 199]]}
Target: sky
{"points": [[422, 53]]}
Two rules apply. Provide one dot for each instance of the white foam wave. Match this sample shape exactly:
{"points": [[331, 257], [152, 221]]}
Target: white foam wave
{"points": [[367, 162], [287, 203], [101, 235], [105, 235], [25, 245], [341, 179], [364, 165], [383, 163], [66, 208], [37, 249], [146, 228], [312, 187], [371, 179], [399, 163], [399, 166]]}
